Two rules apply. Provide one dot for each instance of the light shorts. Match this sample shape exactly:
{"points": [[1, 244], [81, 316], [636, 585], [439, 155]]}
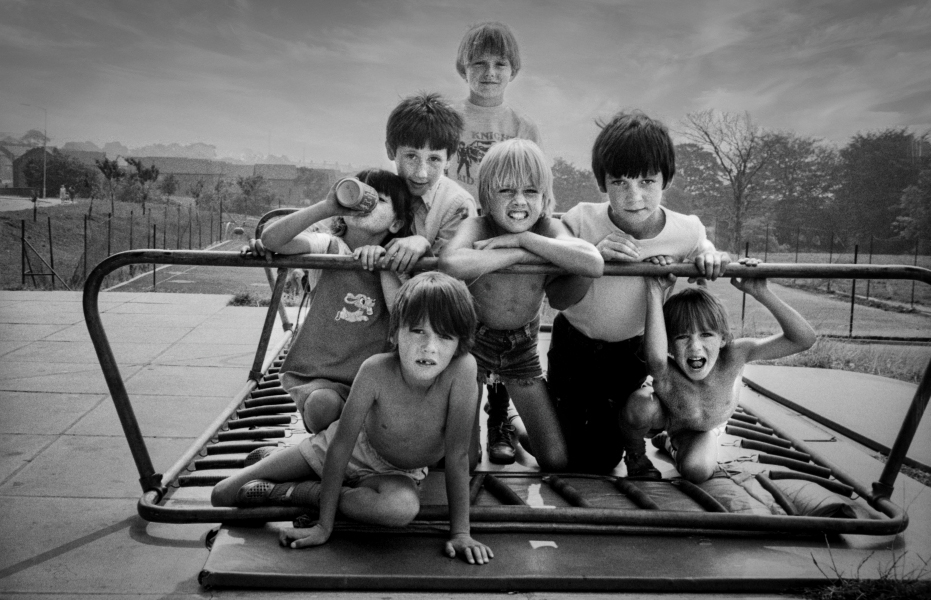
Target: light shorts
{"points": [[364, 462], [300, 387], [508, 356]]}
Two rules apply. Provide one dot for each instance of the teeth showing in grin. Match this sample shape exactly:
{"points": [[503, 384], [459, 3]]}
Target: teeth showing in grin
{"points": [[518, 215]]}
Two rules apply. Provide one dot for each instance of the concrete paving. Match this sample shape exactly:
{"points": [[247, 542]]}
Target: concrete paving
{"points": [[68, 484]]}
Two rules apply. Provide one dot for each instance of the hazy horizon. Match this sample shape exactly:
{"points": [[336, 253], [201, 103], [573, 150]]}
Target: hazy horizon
{"points": [[315, 81]]}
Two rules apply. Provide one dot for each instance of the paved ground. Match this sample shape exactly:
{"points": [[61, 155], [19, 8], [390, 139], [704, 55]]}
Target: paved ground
{"points": [[68, 486], [17, 203]]}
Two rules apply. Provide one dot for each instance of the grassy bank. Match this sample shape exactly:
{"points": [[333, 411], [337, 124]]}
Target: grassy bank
{"points": [[57, 238]]}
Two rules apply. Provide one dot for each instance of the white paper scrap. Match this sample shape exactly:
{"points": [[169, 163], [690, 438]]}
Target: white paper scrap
{"points": [[542, 544]]}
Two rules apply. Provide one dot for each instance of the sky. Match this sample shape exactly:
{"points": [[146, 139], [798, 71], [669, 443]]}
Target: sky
{"points": [[316, 80]]}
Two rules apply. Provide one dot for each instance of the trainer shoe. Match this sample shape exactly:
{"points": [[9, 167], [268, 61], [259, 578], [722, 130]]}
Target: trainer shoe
{"points": [[258, 454], [500, 447], [640, 467], [254, 493], [260, 492]]}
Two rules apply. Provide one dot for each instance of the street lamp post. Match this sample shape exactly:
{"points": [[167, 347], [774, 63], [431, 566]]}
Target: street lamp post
{"points": [[44, 142]]}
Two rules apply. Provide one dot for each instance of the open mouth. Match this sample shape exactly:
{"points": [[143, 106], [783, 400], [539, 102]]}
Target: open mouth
{"points": [[518, 215], [696, 363], [426, 362]]}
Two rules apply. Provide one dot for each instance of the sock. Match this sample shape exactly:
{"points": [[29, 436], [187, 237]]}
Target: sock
{"points": [[302, 493]]}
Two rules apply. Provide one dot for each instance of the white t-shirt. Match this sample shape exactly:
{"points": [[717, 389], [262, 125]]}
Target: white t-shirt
{"points": [[614, 308]]}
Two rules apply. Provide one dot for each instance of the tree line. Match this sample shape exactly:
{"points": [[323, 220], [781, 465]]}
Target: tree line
{"points": [[137, 183], [751, 182], [747, 182]]}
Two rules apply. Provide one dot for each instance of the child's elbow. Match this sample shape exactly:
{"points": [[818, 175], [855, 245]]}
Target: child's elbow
{"points": [[596, 267], [447, 264]]}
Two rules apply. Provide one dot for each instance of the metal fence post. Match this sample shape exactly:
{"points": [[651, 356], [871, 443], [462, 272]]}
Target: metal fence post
{"points": [[915, 263], [51, 251], [190, 229], [178, 238], [85, 247], [766, 244], [831, 256], [22, 243], [870, 262], [743, 306], [154, 237], [798, 236], [853, 290], [109, 232]]}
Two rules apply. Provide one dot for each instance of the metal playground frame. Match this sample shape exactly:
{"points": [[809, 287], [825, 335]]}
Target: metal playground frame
{"points": [[251, 417]]}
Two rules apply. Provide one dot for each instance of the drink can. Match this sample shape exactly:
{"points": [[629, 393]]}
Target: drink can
{"points": [[355, 195]]}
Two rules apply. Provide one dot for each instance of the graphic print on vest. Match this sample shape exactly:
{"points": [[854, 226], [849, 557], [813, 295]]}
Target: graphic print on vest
{"points": [[363, 308]]}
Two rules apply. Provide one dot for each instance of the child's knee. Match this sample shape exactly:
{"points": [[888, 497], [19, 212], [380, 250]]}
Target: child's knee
{"points": [[402, 508], [639, 410], [697, 469], [222, 494], [553, 461], [321, 408]]}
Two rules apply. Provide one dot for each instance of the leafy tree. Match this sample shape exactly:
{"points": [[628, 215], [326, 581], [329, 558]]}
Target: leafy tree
{"points": [[253, 196], [196, 190], [876, 168], [112, 173], [315, 183], [34, 137], [696, 187], [742, 150], [801, 180], [144, 176], [572, 185], [168, 185], [60, 170], [915, 221]]}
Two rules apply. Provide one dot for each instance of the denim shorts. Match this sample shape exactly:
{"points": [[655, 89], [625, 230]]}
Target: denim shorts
{"points": [[508, 356]]}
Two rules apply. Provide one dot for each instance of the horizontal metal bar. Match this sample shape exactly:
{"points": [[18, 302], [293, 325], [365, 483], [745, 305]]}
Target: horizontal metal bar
{"points": [[637, 269]]}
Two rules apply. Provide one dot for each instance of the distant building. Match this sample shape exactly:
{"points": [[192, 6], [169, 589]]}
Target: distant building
{"points": [[280, 178], [85, 157], [10, 150]]}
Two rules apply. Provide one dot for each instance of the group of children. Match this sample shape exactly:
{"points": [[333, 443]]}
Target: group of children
{"points": [[388, 369]]}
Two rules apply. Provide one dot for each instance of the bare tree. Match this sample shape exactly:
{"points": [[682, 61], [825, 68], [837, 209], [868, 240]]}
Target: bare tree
{"points": [[741, 149]]}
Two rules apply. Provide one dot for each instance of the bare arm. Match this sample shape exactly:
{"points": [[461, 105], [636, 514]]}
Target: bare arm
{"points": [[797, 334], [460, 417], [390, 284], [556, 245], [461, 260], [655, 340], [283, 235], [351, 421]]}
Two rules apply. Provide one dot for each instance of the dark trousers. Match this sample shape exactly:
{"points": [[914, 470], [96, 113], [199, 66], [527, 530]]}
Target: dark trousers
{"points": [[590, 381]]}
